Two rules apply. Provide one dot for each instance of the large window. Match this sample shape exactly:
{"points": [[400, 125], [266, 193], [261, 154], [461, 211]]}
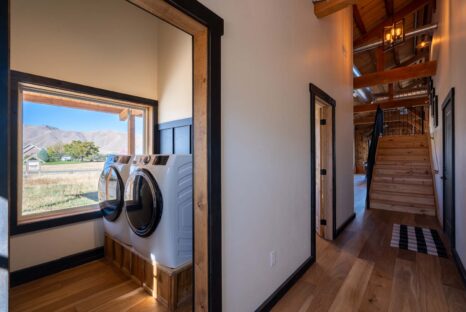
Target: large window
{"points": [[63, 140]]}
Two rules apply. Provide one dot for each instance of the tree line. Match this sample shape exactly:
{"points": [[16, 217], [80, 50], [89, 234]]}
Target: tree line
{"points": [[77, 150]]}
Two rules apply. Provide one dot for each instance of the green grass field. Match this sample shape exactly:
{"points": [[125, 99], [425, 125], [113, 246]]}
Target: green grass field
{"points": [[61, 186], [54, 163]]}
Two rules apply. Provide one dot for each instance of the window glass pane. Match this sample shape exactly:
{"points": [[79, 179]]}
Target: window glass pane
{"points": [[64, 149], [139, 128]]}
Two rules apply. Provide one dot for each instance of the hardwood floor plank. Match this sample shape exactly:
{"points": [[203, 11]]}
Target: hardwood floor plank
{"points": [[124, 302], [99, 298], [431, 295], [351, 293], [404, 296], [456, 299]]}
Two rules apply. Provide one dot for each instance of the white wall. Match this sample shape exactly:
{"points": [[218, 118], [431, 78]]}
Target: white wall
{"points": [[175, 73], [43, 246], [271, 51], [449, 48], [105, 44]]}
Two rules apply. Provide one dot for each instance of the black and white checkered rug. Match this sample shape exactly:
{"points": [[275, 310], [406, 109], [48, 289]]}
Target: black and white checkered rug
{"points": [[418, 239]]}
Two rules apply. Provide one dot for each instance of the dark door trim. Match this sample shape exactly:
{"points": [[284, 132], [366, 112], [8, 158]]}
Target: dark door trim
{"points": [[317, 92], [449, 100], [4, 150]]}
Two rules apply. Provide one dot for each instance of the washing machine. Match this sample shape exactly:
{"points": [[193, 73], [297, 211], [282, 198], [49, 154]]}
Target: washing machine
{"points": [[111, 196], [159, 209]]}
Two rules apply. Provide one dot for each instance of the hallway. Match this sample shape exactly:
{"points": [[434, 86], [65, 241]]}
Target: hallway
{"points": [[361, 272]]}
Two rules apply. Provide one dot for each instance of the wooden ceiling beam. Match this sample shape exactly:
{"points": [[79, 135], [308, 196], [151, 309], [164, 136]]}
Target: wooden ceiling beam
{"points": [[391, 104], [393, 75], [328, 7], [400, 92], [389, 7], [377, 30], [358, 20]]}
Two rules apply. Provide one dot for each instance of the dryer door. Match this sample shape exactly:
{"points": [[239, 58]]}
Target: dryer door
{"points": [[111, 190], [144, 203]]}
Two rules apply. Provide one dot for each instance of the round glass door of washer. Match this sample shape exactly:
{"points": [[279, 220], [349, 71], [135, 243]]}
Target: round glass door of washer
{"points": [[111, 191], [144, 203]]}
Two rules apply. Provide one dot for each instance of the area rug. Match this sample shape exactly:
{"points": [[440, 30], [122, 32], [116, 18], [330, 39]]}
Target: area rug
{"points": [[418, 239]]}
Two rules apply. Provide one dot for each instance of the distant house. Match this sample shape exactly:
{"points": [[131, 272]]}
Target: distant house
{"points": [[29, 151], [66, 158]]}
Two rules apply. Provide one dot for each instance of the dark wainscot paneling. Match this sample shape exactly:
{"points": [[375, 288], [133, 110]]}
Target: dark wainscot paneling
{"points": [[176, 137]]}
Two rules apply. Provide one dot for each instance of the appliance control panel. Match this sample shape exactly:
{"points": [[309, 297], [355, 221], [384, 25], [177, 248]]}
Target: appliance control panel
{"points": [[124, 159], [160, 160]]}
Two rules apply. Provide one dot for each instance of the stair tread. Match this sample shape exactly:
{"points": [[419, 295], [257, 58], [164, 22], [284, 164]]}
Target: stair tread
{"points": [[396, 203]]}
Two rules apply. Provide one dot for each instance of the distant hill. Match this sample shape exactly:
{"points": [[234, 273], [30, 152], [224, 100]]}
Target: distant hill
{"points": [[44, 136]]}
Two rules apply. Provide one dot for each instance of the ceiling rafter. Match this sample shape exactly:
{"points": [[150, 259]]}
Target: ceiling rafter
{"points": [[358, 20], [377, 30], [389, 7]]}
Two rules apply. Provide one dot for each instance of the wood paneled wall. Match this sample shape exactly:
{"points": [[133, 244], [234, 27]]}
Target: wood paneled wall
{"points": [[361, 146], [175, 137]]}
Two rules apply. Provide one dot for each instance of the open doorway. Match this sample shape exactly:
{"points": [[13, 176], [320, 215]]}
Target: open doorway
{"points": [[323, 196], [205, 30], [324, 172], [448, 177]]}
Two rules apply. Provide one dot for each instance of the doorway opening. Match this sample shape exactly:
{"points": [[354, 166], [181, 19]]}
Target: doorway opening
{"points": [[323, 183], [324, 172], [205, 30], [448, 133]]}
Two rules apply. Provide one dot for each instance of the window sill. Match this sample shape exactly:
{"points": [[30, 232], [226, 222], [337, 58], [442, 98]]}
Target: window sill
{"points": [[57, 214], [37, 223]]}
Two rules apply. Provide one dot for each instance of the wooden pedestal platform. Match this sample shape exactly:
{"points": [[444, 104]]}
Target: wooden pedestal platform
{"points": [[171, 287]]}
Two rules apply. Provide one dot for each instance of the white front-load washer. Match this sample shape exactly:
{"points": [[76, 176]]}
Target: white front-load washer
{"points": [[111, 196], [159, 209]]}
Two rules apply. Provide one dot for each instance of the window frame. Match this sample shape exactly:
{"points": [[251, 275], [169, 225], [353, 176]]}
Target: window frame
{"points": [[20, 224]]}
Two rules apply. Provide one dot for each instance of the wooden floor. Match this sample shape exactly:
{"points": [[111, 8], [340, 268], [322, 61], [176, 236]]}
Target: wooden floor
{"points": [[361, 272], [96, 286], [357, 272]]}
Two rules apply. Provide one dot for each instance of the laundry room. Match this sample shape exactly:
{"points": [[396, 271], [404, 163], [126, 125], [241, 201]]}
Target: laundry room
{"points": [[102, 113]]}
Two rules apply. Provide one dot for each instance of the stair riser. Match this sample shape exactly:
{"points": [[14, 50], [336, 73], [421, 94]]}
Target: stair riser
{"points": [[404, 138], [402, 188], [402, 158], [376, 205], [402, 172], [404, 180], [403, 152], [399, 145], [427, 200]]}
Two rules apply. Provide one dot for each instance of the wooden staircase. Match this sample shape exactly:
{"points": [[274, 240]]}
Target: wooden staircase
{"points": [[402, 179]]}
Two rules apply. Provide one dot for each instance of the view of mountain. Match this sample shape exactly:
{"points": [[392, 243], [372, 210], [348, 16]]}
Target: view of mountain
{"points": [[44, 136]]}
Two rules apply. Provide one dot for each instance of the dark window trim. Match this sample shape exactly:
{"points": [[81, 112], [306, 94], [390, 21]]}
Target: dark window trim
{"points": [[175, 123], [17, 77]]}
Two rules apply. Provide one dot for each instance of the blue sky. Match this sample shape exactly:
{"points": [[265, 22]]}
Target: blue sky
{"points": [[73, 119]]}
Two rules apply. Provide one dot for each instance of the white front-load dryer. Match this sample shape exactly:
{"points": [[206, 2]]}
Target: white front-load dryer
{"points": [[111, 197], [159, 209]]}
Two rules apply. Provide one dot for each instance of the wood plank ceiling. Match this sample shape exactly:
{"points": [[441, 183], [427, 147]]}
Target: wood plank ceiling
{"points": [[369, 18]]}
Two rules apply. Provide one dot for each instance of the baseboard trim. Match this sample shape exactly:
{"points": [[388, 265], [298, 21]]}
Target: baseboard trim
{"points": [[282, 290], [344, 225], [29, 274], [459, 265]]}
